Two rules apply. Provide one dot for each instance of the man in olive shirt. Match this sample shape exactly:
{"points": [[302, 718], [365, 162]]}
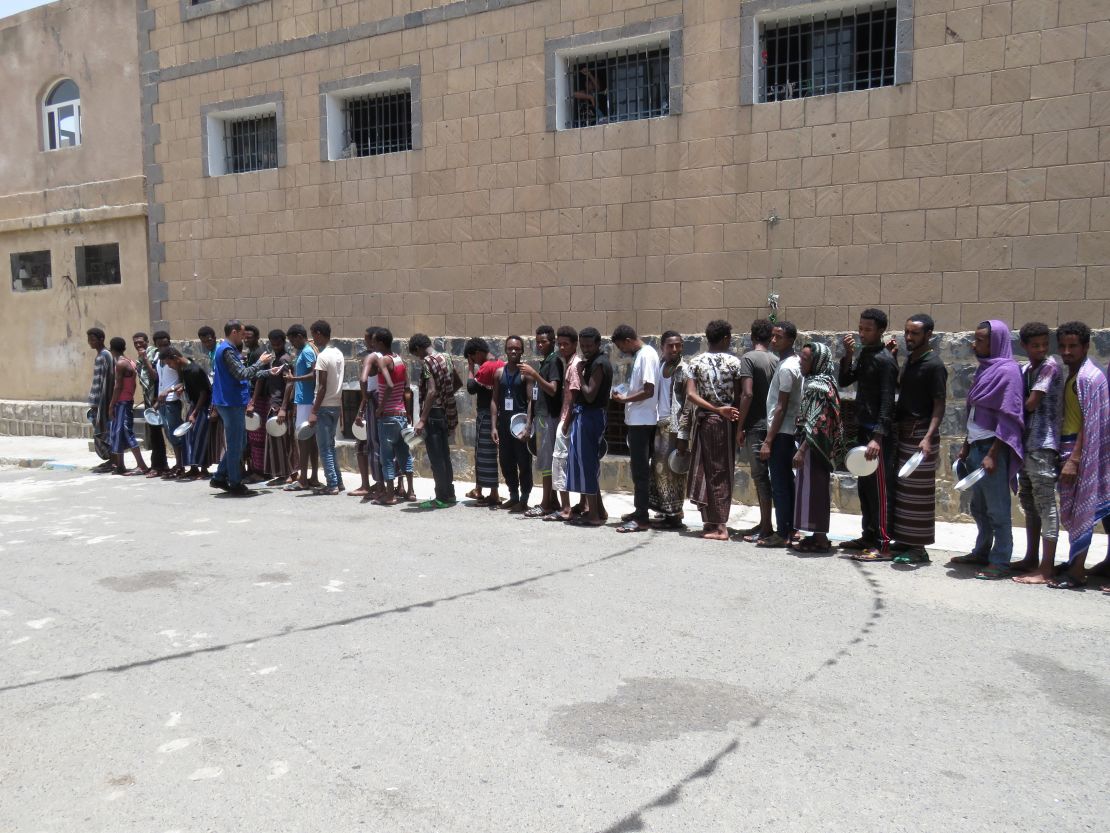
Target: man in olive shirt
{"points": [[757, 368]]}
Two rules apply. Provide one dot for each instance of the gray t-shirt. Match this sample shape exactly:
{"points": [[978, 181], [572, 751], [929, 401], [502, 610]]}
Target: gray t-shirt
{"points": [[760, 366], [788, 377]]}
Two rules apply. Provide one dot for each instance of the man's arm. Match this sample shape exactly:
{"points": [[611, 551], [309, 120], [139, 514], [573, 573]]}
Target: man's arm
{"points": [[934, 425], [429, 397], [744, 406], [259, 385], [1070, 470], [847, 375], [593, 385], [286, 395], [321, 389], [201, 404], [493, 404], [233, 362], [888, 384], [117, 385]]}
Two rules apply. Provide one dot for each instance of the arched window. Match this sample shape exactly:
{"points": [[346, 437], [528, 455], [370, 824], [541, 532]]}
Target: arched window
{"points": [[62, 114]]}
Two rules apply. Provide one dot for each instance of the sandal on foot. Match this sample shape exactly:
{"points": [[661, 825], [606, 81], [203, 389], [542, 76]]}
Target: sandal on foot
{"points": [[808, 545], [969, 560], [535, 512], [772, 541], [993, 573], [914, 555], [872, 556], [633, 525], [553, 516], [856, 544], [1068, 582]]}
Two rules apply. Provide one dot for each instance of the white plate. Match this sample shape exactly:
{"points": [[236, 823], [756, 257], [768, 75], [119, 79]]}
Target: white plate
{"points": [[971, 480], [152, 417], [275, 428], [911, 464], [517, 425], [306, 431], [183, 429], [858, 464], [411, 438], [359, 431], [253, 421], [679, 463]]}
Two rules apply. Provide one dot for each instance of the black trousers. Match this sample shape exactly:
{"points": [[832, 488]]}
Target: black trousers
{"points": [[437, 441], [641, 441], [156, 442], [515, 460], [876, 491]]}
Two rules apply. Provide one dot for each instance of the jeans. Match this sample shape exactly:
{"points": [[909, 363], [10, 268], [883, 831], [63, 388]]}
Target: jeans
{"points": [[438, 442], [641, 440], [990, 506], [171, 419], [876, 492], [761, 472], [327, 423], [394, 450], [234, 418], [783, 450]]}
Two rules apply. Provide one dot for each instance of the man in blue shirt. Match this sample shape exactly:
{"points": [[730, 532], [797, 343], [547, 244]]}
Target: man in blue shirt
{"points": [[230, 394], [304, 394]]}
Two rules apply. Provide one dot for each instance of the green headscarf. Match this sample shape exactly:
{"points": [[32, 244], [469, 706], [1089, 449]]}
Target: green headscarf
{"points": [[819, 415]]}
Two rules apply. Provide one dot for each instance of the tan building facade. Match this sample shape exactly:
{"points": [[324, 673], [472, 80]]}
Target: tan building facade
{"points": [[972, 184], [73, 204]]}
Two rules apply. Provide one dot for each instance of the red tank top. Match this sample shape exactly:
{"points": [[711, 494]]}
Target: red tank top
{"points": [[394, 404], [127, 387]]}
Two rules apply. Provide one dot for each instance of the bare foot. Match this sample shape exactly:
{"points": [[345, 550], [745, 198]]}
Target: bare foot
{"points": [[1026, 565], [1034, 578], [715, 532], [359, 492]]}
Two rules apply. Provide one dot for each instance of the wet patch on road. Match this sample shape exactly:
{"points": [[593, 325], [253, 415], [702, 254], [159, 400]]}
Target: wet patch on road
{"points": [[1080, 692], [151, 580], [647, 709]]}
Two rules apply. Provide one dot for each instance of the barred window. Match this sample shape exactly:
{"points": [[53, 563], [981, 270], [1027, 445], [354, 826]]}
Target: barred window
{"points": [[98, 265], [828, 51], [618, 85], [377, 123], [250, 143], [30, 271]]}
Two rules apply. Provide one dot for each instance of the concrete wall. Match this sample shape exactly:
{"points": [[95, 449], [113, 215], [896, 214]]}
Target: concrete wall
{"points": [[59, 200], [976, 190]]}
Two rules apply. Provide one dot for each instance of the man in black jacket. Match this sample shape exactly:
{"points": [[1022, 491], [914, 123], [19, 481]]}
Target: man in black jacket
{"points": [[875, 375]]}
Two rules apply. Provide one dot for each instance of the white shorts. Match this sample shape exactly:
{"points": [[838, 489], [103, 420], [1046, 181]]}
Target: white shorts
{"points": [[559, 460], [303, 413]]}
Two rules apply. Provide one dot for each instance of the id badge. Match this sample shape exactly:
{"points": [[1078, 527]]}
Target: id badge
{"points": [[535, 393], [508, 403]]}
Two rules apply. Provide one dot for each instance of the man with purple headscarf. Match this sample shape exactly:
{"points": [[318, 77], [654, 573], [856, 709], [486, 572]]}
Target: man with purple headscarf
{"points": [[1084, 450], [995, 422]]}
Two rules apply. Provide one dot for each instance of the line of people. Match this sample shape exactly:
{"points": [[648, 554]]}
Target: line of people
{"points": [[1044, 427]]}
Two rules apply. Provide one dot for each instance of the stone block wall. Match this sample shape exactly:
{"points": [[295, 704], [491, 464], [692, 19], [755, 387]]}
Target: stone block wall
{"points": [[21, 418]]}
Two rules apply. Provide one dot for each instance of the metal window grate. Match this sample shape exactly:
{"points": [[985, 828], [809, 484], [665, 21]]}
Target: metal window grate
{"points": [[250, 143], [98, 265], [619, 85], [378, 123], [828, 52]]}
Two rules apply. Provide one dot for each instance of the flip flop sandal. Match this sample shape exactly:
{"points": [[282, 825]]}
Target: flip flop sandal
{"points": [[535, 512], [631, 526], [753, 537], [472, 495], [670, 522], [774, 541], [1067, 582], [910, 557], [994, 573], [856, 544], [810, 547], [580, 521], [553, 516], [136, 473], [872, 556], [969, 560], [295, 486]]}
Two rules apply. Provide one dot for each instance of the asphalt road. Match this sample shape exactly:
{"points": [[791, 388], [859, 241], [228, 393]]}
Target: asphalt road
{"points": [[174, 661]]}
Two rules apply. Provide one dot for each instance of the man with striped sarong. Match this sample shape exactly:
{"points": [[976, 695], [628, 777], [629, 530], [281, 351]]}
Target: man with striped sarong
{"points": [[922, 394], [1084, 450], [714, 389], [479, 384]]}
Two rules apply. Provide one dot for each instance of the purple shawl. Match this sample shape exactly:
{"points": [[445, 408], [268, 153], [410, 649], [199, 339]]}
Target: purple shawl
{"points": [[997, 394], [1086, 500]]}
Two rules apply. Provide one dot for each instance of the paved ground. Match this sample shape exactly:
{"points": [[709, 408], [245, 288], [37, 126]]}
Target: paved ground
{"points": [[172, 660]]}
